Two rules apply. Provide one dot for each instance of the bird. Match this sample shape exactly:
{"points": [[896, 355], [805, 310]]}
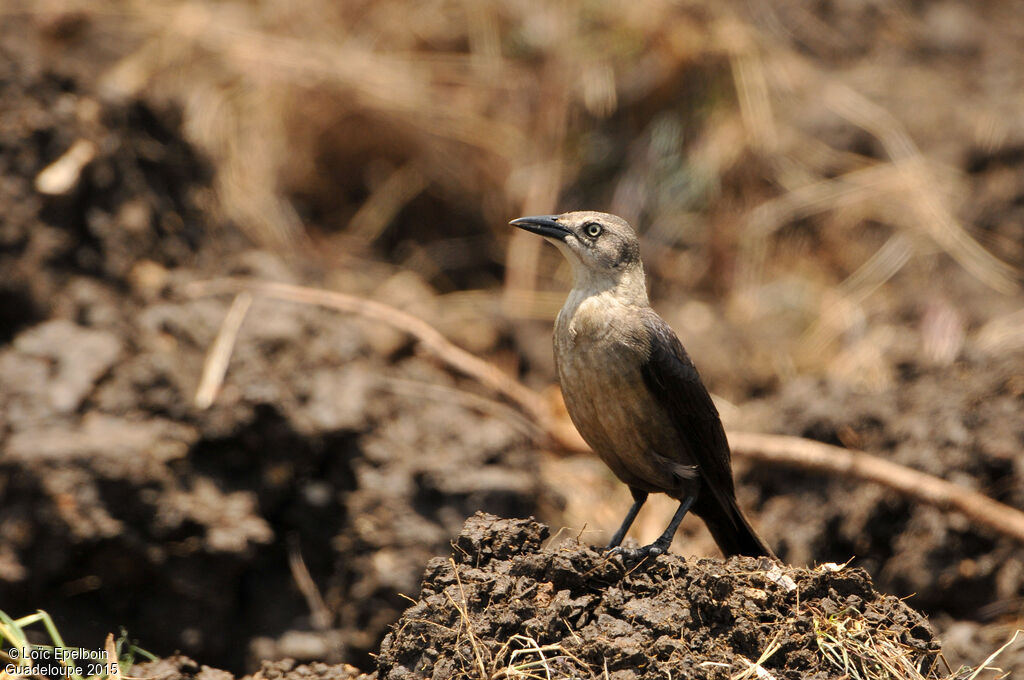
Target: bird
{"points": [[631, 389]]}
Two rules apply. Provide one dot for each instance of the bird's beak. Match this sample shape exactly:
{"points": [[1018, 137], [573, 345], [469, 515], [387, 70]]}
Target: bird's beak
{"points": [[545, 225]]}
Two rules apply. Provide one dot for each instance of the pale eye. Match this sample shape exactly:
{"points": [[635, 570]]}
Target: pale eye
{"points": [[593, 230]]}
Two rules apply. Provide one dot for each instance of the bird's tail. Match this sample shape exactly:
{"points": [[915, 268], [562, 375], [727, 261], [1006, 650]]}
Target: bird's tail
{"points": [[730, 528]]}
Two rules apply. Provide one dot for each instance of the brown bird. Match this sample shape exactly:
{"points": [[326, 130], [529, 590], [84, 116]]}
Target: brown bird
{"points": [[632, 391]]}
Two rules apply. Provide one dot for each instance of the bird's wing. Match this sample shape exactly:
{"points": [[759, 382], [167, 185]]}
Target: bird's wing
{"points": [[674, 382]]}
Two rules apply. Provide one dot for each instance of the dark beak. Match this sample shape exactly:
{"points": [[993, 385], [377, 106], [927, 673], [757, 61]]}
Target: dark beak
{"points": [[545, 225]]}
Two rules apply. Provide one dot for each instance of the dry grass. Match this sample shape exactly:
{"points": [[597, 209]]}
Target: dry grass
{"points": [[518, 657], [866, 651], [869, 652], [417, 131], [522, 657], [414, 132]]}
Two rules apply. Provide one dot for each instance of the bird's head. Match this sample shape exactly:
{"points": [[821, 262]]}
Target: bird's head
{"points": [[602, 248]]}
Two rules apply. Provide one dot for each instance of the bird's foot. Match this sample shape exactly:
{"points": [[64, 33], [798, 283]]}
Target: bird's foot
{"points": [[637, 554]]}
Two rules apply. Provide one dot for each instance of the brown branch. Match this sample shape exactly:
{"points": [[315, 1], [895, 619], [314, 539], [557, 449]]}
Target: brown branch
{"points": [[432, 341], [816, 456], [776, 449]]}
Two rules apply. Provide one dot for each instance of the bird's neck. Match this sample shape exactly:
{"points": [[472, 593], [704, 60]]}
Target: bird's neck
{"points": [[628, 288], [598, 309]]}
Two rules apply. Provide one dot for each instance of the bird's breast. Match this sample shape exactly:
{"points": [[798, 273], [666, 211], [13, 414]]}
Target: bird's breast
{"points": [[599, 363]]}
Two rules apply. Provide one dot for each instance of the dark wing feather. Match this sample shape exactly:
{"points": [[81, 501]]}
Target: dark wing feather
{"points": [[674, 382]]}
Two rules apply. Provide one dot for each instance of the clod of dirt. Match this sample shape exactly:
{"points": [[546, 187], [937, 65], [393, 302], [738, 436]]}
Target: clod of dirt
{"points": [[504, 604]]}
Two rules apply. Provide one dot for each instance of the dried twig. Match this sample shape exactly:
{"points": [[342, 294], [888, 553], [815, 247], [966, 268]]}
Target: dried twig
{"points": [[219, 354], [421, 389], [992, 657], [431, 340], [756, 668], [811, 455], [466, 621], [320, 614]]}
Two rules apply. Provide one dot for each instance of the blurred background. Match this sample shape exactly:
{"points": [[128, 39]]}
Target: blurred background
{"points": [[830, 196]]}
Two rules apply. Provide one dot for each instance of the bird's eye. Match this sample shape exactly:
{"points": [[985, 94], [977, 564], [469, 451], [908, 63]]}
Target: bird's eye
{"points": [[593, 230]]}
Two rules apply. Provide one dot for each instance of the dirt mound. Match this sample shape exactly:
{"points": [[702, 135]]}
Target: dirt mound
{"points": [[504, 602]]}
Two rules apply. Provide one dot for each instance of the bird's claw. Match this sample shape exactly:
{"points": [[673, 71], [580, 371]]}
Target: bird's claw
{"points": [[636, 554]]}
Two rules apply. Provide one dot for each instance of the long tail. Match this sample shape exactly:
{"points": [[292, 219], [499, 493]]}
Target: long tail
{"points": [[730, 528]]}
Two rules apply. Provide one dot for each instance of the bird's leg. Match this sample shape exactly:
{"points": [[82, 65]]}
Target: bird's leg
{"points": [[665, 540], [660, 546], [639, 498]]}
